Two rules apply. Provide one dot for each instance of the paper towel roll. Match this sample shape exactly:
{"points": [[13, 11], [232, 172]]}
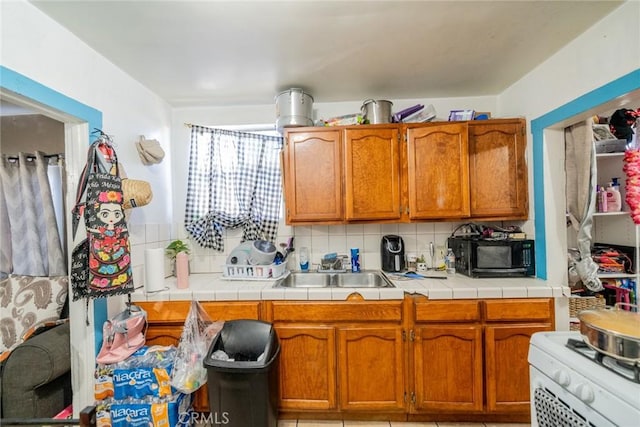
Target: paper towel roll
{"points": [[153, 270]]}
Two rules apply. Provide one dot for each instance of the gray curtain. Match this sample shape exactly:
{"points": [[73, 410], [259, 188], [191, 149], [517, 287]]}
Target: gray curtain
{"points": [[31, 243], [581, 176]]}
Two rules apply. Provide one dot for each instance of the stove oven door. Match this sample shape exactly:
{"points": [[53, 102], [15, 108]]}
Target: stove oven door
{"points": [[553, 406]]}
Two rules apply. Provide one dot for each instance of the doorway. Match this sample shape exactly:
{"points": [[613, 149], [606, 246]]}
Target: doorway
{"points": [[78, 120], [548, 161]]}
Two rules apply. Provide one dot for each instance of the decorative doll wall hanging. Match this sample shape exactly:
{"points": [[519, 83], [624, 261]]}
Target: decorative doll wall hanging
{"points": [[101, 262]]}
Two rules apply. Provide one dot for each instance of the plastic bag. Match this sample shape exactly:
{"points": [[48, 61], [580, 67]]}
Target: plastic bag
{"points": [[189, 373]]}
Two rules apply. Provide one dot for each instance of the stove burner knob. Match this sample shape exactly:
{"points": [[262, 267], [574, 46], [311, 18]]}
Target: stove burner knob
{"points": [[562, 378], [585, 393]]}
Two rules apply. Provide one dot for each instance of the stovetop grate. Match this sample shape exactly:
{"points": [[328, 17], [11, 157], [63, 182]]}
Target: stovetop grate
{"points": [[629, 371]]}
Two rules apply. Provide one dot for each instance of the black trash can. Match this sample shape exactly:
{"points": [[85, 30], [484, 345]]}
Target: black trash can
{"points": [[244, 389]]}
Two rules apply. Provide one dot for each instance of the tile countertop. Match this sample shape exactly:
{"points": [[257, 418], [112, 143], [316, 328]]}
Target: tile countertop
{"points": [[214, 287]]}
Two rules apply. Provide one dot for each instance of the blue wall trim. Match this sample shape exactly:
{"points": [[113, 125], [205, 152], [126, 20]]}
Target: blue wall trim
{"points": [[28, 88], [621, 86]]}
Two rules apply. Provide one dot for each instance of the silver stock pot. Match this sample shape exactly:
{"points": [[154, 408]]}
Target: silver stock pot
{"points": [[613, 331], [294, 107]]}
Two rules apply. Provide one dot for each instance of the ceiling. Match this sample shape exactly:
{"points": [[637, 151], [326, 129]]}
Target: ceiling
{"points": [[215, 53]]}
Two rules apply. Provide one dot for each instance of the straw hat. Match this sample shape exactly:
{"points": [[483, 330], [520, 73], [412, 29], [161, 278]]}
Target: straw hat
{"points": [[136, 193]]}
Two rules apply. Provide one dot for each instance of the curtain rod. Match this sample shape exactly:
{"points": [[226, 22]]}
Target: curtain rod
{"points": [[240, 128], [32, 157]]}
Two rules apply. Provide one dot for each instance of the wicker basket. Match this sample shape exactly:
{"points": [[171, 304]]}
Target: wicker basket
{"points": [[577, 304]]}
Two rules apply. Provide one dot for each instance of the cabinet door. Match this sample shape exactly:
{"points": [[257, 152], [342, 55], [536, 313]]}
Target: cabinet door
{"points": [[372, 173], [448, 368], [307, 367], [507, 367], [371, 367], [498, 170], [313, 176], [438, 171]]}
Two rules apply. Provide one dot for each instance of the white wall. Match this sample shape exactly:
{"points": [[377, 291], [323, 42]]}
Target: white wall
{"points": [[39, 48], [605, 52]]}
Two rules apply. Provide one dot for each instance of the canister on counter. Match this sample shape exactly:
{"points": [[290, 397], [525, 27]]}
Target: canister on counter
{"points": [[355, 260]]}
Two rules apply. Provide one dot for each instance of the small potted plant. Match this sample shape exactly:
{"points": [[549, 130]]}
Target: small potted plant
{"points": [[421, 263], [178, 251]]}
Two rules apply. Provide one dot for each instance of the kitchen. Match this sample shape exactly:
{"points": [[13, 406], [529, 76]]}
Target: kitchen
{"points": [[529, 97]]}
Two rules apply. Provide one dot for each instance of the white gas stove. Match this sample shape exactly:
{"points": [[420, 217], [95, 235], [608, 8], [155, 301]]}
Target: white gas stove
{"points": [[576, 386]]}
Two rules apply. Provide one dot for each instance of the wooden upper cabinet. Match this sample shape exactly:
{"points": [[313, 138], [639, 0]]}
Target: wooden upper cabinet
{"points": [[498, 170], [372, 173], [438, 171], [445, 171], [313, 176]]}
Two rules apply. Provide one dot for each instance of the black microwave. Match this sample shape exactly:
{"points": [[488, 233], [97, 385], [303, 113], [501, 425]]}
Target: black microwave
{"points": [[477, 257]]}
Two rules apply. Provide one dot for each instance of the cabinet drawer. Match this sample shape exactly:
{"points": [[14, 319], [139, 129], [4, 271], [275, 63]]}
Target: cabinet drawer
{"points": [[519, 309], [447, 311], [176, 311], [283, 311]]}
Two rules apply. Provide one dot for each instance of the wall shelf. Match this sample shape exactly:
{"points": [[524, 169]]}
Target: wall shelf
{"points": [[619, 213]]}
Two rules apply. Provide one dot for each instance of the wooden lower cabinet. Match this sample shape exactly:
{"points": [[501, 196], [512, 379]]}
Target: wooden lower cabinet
{"points": [[166, 321], [307, 367], [470, 357], [371, 368], [506, 366], [413, 359], [448, 368], [340, 357]]}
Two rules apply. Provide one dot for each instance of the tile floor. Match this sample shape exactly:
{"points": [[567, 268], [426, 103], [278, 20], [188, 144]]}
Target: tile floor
{"points": [[320, 423]]}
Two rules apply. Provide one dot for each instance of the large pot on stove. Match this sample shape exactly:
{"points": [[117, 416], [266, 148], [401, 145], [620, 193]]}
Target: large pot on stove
{"points": [[613, 331]]}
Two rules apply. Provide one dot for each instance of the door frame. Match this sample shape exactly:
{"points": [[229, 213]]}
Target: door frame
{"points": [[547, 133], [79, 121]]}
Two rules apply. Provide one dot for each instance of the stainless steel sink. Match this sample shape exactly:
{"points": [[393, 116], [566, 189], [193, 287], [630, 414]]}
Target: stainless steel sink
{"points": [[364, 279]]}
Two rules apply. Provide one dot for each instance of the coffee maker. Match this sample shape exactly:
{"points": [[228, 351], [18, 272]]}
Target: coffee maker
{"points": [[392, 252]]}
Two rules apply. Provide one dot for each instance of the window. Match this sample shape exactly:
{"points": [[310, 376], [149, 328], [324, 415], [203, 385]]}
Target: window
{"points": [[234, 182]]}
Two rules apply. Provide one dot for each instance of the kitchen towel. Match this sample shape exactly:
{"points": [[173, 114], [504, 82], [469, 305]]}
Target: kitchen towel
{"points": [[154, 270]]}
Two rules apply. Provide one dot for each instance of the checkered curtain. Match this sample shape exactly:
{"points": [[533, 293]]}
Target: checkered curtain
{"points": [[234, 181]]}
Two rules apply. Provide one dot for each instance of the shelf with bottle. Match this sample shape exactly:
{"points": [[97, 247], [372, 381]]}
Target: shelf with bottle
{"points": [[618, 213], [616, 275], [610, 155]]}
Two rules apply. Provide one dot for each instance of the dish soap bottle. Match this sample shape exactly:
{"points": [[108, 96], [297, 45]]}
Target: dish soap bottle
{"points": [[614, 201]]}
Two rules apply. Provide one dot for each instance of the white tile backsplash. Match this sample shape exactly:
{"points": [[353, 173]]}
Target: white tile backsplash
{"points": [[136, 234], [320, 239]]}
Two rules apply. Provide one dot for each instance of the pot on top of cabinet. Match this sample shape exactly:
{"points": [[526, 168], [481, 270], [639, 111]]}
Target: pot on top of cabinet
{"points": [[376, 111]]}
